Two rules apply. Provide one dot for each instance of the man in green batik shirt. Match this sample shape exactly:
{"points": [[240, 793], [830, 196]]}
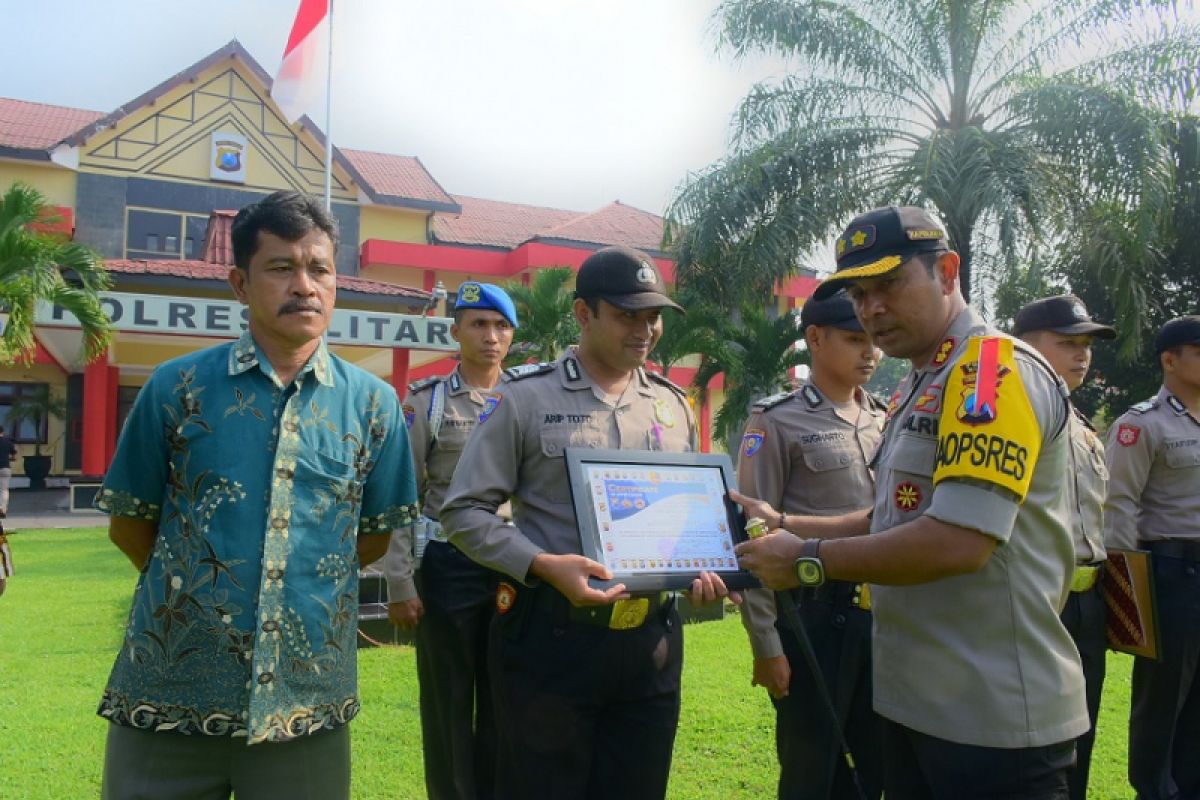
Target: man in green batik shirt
{"points": [[251, 481]]}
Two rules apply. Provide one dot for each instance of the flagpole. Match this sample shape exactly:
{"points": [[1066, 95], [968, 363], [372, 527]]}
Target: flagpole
{"points": [[329, 118]]}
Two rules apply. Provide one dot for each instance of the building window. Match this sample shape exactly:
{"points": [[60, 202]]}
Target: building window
{"points": [[156, 235], [27, 431]]}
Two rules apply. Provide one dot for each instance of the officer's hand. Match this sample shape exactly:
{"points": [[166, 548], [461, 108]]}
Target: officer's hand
{"points": [[709, 588], [772, 559], [755, 507], [569, 574], [773, 674], [405, 614]]}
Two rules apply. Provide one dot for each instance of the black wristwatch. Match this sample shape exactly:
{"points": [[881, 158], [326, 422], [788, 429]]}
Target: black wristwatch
{"points": [[809, 569]]}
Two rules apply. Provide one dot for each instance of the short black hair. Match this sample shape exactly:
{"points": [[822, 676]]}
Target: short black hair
{"points": [[289, 215]]}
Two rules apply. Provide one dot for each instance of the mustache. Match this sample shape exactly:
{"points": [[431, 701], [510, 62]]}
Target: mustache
{"points": [[294, 305]]}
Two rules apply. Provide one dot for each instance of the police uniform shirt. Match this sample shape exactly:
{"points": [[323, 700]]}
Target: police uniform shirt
{"points": [[518, 453], [1090, 483], [981, 658], [1154, 474], [803, 457], [434, 461]]}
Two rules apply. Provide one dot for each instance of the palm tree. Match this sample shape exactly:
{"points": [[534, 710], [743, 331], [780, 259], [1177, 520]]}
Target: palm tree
{"points": [[1000, 114], [756, 356], [546, 316], [37, 267], [700, 331]]}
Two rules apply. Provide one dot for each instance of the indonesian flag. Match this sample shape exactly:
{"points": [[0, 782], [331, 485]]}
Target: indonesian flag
{"points": [[305, 60]]}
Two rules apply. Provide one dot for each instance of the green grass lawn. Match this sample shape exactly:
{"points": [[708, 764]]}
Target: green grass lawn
{"points": [[61, 622]]}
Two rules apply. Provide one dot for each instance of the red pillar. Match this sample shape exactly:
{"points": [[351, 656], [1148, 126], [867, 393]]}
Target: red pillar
{"points": [[110, 422], [705, 424], [400, 366], [98, 398]]}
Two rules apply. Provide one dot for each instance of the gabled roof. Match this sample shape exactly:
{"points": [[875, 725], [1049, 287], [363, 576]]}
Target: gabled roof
{"points": [[203, 270], [37, 127], [616, 223], [496, 224], [398, 180]]}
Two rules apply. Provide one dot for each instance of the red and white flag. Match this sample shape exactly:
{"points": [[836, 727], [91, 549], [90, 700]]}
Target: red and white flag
{"points": [[305, 65]]}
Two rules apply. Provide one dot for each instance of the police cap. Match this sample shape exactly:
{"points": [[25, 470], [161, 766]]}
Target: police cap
{"points": [[625, 277], [1065, 313], [833, 312], [473, 294], [1181, 330], [879, 241]]}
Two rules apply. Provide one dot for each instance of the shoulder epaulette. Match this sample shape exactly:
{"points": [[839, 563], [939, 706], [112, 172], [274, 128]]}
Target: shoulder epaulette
{"points": [[522, 371], [770, 402], [424, 383], [1144, 406], [665, 381]]}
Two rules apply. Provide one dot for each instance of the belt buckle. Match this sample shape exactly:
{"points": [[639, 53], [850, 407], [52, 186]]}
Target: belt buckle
{"points": [[629, 614], [862, 596], [1084, 578]]}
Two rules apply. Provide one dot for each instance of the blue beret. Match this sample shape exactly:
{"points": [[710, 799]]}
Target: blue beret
{"points": [[486, 296]]}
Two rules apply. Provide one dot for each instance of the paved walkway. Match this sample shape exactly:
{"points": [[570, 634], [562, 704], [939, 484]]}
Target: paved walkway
{"points": [[47, 509]]}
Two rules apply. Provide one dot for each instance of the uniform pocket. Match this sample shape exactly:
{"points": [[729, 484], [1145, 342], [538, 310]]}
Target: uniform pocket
{"points": [[835, 486], [1182, 453]]}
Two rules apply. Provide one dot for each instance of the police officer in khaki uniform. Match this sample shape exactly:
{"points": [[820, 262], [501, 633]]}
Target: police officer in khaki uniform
{"points": [[449, 600], [1154, 504], [1062, 331], [586, 682], [807, 452], [970, 554]]}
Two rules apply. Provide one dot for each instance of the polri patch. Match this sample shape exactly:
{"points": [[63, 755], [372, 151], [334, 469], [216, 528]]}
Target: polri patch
{"points": [[410, 415], [752, 441], [1127, 435], [490, 403]]}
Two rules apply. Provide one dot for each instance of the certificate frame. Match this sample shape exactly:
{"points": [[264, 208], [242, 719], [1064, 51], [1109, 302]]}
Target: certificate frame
{"points": [[711, 471], [1131, 624]]}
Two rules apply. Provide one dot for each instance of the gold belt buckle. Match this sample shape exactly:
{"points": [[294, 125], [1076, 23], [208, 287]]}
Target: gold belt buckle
{"points": [[862, 596], [628, 614], [1084, 578]]}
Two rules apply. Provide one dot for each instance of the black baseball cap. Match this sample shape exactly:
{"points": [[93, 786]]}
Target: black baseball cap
{"points": [[833, 312], [625, 277], [1181, 330], [879, 241], [1064, 313]]}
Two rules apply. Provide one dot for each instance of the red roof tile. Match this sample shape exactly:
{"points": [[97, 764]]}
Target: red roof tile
{"points": [[491, 222], [616, 223], [218, 244], [36, 126], [403, 177], [203, 270]]}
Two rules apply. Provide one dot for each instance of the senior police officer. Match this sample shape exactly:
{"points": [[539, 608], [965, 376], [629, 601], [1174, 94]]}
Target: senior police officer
{"points": [[453, 607], [807, 452], [970, 552], [1062, 331], [586, 682], [1154, 503]]}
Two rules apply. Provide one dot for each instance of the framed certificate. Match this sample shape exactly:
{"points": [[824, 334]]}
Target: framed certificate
{"points": [[655, 519], [1132, 621]]}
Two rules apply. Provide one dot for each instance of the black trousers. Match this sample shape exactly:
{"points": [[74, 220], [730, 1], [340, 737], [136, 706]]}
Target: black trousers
{"points": [[458, 726], [1164, 725], [1084, 617], [584, 712], [921, 767], [811, 766]]}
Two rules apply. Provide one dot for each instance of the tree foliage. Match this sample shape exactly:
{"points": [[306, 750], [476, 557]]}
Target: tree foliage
{"points": [[36, 267], [544, 311], [1002, 115]]}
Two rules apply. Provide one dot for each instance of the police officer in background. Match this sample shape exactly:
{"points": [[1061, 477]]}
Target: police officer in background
{"points": [[586, 682], [807, 452], [1062, 331], [451, 600], [1154, 504], [970, 555]]}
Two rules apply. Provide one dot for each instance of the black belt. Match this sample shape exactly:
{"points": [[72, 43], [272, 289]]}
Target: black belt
{"points": [[1185, 549], [621, 615], [837, 593]]}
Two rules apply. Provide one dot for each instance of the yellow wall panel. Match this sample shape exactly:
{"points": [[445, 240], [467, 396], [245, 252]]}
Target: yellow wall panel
{"points": [[391, 224], [57, 184]]}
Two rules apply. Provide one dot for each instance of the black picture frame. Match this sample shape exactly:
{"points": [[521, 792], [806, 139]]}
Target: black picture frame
{"points": [[643, 579]]}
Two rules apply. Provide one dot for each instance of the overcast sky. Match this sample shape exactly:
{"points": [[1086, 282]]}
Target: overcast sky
{"points": [[566, 103]]}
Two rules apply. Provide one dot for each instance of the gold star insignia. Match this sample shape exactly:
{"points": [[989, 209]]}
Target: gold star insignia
{"points": [[859, 238], [841, 246]]}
